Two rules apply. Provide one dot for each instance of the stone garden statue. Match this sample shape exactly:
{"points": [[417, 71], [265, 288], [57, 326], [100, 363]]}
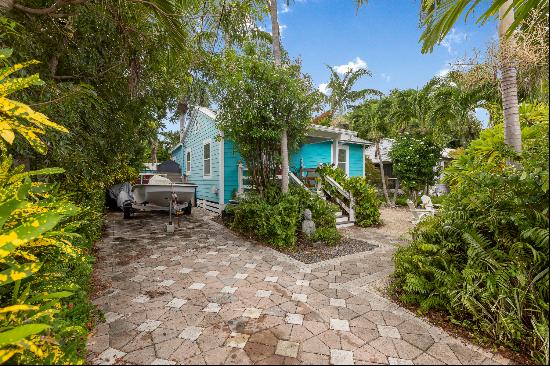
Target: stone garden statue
{"points": [[308, 226]]}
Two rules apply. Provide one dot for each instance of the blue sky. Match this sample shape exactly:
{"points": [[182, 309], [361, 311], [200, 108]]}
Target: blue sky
{"points": [[383, 36]]}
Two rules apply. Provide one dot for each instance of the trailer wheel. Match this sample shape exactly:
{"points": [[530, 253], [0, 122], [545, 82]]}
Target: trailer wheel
{"points": [[127, 212], [187, 210]]}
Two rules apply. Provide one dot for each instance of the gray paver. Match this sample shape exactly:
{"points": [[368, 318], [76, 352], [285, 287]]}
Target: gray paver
{"points": [[255, 306]]}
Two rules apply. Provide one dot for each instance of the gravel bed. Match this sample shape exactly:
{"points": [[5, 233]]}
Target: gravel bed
{"points": [[308, 252]]}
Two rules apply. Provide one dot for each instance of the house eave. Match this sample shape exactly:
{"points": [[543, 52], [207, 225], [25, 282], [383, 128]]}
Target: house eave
{"points": [[334, 133], [175, 147]]}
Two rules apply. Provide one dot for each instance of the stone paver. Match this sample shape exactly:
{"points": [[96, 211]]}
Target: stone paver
{"points": [[205, 296]]}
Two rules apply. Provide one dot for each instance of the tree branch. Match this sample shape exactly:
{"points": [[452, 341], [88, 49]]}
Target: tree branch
{"points": [[45, 11]]}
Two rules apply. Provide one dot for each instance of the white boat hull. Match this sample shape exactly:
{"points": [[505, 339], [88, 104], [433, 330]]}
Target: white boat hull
{"points": [[160, 194]]}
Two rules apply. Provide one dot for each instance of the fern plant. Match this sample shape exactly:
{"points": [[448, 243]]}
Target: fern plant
{"points": [[484, 258]]}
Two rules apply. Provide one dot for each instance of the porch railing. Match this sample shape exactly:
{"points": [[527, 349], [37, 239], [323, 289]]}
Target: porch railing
{"points": [[242, 179], [344, 198], [293, 178]]}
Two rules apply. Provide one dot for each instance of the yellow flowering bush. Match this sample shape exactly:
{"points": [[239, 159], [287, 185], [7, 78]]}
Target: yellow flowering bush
{"points": [[32, 217]]}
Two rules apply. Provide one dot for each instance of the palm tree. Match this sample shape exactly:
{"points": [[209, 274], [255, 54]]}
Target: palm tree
{"points": [[276, 44], [411, 108], [440, 16], [370, 120], [453, 112], [342, 96]]}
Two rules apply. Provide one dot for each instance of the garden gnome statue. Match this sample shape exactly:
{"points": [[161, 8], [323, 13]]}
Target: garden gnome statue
{"points": [[308, 226]]}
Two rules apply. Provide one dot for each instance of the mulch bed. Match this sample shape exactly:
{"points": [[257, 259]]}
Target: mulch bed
{"points": [[309, 252], [442, 320]]}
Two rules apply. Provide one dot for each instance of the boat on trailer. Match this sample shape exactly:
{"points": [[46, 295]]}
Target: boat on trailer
{"points": [[160, 193]]}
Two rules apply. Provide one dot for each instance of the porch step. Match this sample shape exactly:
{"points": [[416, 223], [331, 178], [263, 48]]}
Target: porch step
{"points": [[345, 224], [343, 221], [342, 218]]}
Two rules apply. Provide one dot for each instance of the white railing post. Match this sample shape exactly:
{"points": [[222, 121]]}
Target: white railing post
{"points": [[296, 180], [240, 188]]}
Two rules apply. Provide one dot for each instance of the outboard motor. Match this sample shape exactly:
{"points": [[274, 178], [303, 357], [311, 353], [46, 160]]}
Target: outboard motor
{"points": [[122, 192]]}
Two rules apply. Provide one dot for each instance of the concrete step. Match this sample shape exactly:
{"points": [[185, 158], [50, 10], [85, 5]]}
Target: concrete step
{"points": [[344, 224], [338, 214], [342, 218]]}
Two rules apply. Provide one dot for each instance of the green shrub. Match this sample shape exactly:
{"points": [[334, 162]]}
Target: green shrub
{"points": [[367, 212], [327, 235], [484, 258], [401, 200], [45, 239], [414, 159], [367, 201], [275, 218], [372, 173]]}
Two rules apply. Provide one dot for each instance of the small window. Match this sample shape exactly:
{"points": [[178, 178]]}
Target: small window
{"points": [[188, 162], [206, 158], [342, 159]]}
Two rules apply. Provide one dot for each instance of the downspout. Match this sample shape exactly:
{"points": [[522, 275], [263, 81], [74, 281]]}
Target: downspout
{"points": [[222, 174]]}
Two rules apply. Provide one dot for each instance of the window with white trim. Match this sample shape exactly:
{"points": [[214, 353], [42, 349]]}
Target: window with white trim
{"points": [[343, 159], [206, 159], [188, 162]]}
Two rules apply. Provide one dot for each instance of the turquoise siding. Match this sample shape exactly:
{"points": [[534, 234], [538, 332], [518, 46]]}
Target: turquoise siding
{"points": [[312, 155], [231, 158], [177, 156], [202, 129], [356, 160]]}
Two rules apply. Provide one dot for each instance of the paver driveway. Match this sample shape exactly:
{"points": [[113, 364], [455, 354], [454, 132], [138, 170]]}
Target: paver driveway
{"points": [[203, 295]]}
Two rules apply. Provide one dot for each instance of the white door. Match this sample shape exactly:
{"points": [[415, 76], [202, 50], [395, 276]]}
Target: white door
{"points": [[343, 158]]}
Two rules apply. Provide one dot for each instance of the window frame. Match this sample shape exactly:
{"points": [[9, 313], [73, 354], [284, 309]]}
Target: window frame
{"points": [[204, 143], [346, 149], [187, 159]]}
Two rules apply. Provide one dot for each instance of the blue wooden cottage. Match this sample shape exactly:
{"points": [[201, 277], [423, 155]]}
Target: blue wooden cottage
{"points": [[213, 163]]}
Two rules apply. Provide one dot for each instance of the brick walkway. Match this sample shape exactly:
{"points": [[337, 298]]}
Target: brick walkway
{"points": [[205, 296]]}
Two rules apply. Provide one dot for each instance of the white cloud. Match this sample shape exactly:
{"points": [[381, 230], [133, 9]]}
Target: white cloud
{"points": [[443, 72], [356, 64], [285, 8], [282, 28], [453, 38], [385, 77], [323, 88]]}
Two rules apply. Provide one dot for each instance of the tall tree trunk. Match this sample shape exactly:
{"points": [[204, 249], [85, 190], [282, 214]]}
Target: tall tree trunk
{"points": [[154, 148], [509, 86], [276, 37], [396, 188], [382, 174]]}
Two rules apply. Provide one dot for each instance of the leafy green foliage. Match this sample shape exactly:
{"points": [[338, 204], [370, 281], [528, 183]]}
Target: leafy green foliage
{"points": [[439, 17], [276, 218], [327, 235], [443, 109], [259, 101], [367, 203], [484, 258], [342, 94], [414, 160], [372, 174], [16, 117], [367, 211], [39, 249]]}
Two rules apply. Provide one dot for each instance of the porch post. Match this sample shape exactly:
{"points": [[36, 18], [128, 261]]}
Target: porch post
{"points": [[240, 188], [335, 151]]}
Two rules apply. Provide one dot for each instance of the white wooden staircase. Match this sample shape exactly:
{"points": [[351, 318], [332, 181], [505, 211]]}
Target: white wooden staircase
{"points": [[346, 216]]}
